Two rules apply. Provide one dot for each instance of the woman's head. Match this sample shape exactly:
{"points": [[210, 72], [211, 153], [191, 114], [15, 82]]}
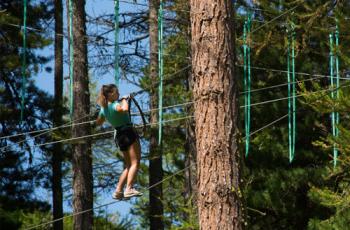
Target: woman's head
{"points": [[108, 93]]}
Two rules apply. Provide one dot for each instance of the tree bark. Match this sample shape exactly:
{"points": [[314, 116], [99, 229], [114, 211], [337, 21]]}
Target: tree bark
{"points": [[216, 109], [82, 156], [57, 118], [155, 160]]}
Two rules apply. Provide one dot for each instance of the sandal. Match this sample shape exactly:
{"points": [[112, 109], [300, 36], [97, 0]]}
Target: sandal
{"points": [[132, 192], [117, 195]]}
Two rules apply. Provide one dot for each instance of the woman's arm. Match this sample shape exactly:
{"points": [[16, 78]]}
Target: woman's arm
{"points": [[123, 106]]}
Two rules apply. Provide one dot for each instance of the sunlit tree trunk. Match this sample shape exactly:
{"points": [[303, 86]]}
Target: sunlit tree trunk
{"points": [[216, 110]]}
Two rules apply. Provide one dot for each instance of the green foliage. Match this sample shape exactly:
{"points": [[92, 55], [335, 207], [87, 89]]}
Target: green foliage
{"points": [[308, 193], [29, 219], [21, 214], [19, 176], [277, 193], [332, 194], [338, 222], [21, 219], [9, 220]]}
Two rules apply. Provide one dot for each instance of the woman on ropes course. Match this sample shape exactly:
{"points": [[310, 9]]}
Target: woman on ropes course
{"points": [[116, 112]]}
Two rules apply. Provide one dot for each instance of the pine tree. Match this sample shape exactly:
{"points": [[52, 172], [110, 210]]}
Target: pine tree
{"points": [[19, 173], [332, 195], [82, 156], [155, 153], [276, 191], [57, 192], [215, 92]]}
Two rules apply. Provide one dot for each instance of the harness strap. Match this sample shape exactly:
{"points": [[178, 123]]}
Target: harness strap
{"points": [[132, 98]]}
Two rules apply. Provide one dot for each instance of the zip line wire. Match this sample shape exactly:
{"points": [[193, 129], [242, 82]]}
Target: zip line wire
{"points": [[113, 202], [91, 40], [88, 36], [275, 18], [253, 32], [297, 73], [282, 84], [66, 36], [145, 5], [331, 90], [103, 133], [270, 101], [189, 65], [134, 3], [263, 25], [318, 76], [126, 47], [191, 102], [254, 90], [36, 131], [298, 95], [137, 92]]}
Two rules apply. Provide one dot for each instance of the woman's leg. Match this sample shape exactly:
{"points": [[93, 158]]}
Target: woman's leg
{"points": [[135, 156], [123, 177]]}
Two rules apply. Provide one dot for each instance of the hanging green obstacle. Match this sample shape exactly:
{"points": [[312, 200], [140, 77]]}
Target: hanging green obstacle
{"points": [[71, 57], [24, 65], [116, 42], [291, 92], [247, 79], [334, 81], [160, 71]]}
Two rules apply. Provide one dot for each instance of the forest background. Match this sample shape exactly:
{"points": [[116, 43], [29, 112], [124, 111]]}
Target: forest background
{"points": [[307, 193]]}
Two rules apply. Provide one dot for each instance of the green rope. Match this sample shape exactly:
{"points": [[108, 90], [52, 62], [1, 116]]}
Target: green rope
{"points": [[71, 57], [289, 103], [337, 73], [294, 93], [245, 86], [247, 81], [331, 73], [333, 58], [24, 34], [116, 42], [160, 69], [291, 94]]}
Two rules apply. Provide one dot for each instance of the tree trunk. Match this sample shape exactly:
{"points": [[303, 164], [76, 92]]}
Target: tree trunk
{"points": [[57, 119], [82, 157], [155, 161], [216, 109]]}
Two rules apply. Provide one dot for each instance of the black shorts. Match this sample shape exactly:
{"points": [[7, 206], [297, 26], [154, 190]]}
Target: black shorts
{"points": [[126, 136]]}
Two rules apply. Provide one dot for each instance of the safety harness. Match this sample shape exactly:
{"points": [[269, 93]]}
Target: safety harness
{"points": [[132, 99]]}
